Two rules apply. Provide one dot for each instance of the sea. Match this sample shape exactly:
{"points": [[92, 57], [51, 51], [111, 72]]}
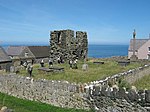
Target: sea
{"points": [[101, 51], [105, 51]]}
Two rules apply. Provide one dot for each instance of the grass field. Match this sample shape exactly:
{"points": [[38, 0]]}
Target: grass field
{"points": [[143, 83], [94, 72], [20, 105]]}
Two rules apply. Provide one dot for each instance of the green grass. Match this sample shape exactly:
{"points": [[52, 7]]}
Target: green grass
{"points": [[143, 83], [94, 72], [20, 105]]}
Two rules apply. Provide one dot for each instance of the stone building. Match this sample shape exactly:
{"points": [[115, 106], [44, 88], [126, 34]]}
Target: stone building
{"points": [[19, 54], [67, 44], [40, 52], [5, 61]]}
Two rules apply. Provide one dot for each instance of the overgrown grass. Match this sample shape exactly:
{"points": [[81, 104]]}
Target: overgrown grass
{"points": [[143, 83], [20, 105], [94, 72]]}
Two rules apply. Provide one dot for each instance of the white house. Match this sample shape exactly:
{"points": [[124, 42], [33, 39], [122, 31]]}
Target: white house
{"points": [[142, 48]]}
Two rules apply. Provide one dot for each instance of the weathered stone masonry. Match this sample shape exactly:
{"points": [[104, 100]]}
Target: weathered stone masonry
{"points": [[71, 95], [97, 89], [67, 45], [58, 93]]}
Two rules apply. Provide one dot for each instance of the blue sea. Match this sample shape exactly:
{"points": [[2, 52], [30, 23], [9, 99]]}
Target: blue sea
{"points": [[103, 51]]}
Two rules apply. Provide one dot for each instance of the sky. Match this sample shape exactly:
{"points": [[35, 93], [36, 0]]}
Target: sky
{"points": [[105, 21]]}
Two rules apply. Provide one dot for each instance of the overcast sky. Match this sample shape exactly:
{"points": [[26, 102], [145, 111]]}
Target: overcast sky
{"points": [[105, 21]]}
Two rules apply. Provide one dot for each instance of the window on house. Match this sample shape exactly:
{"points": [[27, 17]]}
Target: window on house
{"points": [[148, 48]]}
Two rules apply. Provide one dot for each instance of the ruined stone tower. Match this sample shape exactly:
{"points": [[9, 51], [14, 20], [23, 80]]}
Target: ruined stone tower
{"points": [[68, 45]]}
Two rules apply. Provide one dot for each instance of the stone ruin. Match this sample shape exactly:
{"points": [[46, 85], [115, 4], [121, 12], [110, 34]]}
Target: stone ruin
{"points": [[67, 44]]}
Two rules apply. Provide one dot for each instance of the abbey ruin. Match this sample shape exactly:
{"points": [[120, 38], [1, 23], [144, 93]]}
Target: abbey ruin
{"points": [[67, 44]]}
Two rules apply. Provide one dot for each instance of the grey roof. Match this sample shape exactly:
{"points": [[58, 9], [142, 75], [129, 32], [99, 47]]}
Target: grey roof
{"points": [[15, 50], [138, 43], [3, 56], [40, 51]]}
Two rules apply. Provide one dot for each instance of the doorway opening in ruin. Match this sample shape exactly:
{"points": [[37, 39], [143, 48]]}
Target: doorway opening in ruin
{"points": [[59, 38], [81, 52]]}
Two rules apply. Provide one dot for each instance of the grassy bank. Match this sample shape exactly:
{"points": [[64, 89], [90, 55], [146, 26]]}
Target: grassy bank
{"points": [[20, 105], [143, 83], [94, 72]]}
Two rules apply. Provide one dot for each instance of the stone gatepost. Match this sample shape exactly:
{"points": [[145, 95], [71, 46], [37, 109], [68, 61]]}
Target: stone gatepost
{"points": [[147, 96]]}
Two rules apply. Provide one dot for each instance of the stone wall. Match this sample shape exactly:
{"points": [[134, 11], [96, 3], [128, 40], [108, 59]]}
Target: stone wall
{"points": [[58, 93], [97, 89], [135, 74], [107, 104], [5, 66], [66, 45], [141, 97], [130, 76], [71, 95]]}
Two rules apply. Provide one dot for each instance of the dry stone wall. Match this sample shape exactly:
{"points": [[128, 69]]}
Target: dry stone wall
{"points": [[58, 93], [97, 89], [83, 96]]}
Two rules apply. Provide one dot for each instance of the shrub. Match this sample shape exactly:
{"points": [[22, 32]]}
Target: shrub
{"points": [[123, 83]]}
